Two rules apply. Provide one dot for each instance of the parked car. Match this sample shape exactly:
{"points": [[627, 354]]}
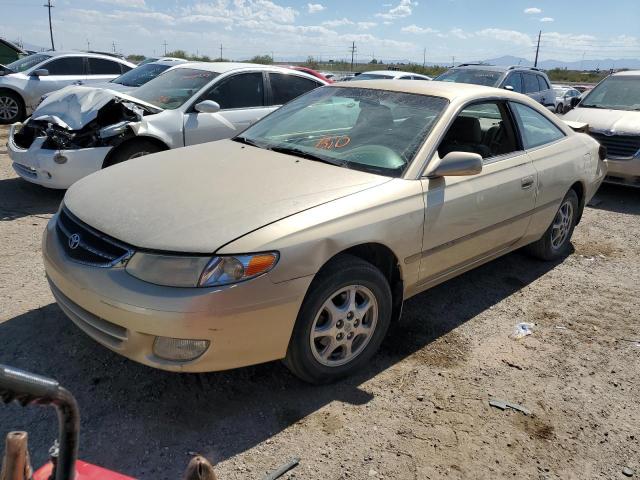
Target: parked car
{"points": [[80, 130], [311, 71], [390, 75], [136, 77], [35, 75], [612, 110], [531, 81], [300, 238], [566, 98], [156, 59]]}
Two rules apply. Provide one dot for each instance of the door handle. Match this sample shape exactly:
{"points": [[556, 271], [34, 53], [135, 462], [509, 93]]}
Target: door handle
{"points": [[526, 183], [78, 82]]}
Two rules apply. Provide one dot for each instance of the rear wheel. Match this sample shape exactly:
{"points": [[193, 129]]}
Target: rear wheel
{"points": [[11, 107], [342, 321], [131, 150], [555, 241]]}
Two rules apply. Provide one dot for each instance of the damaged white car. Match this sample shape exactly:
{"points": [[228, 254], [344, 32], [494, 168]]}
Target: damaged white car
{"points": [[81, 130]]}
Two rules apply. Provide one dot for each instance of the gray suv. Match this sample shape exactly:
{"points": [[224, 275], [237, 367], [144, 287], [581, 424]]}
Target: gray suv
{"points": [[25, 81], [528, 80]]}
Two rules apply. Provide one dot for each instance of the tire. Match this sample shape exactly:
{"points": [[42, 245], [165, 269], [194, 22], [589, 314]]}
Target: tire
{"points": [[550, 247], [131, 150], [559, 109], [326, 358], [11, 107]]}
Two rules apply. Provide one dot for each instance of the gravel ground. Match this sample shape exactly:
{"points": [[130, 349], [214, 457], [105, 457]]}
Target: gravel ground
{"points": [[420, 411]]}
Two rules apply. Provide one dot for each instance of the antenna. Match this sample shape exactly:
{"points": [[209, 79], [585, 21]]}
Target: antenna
{"points": [[49, 6]]}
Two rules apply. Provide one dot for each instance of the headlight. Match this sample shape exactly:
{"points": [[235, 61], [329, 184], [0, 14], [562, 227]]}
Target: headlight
{"points": [[187, 271]]}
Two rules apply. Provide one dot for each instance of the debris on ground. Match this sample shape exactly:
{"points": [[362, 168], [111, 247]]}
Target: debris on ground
{"points": [[283, 469], [522, 330], [503, 405], [511, 364], [627, 472]]}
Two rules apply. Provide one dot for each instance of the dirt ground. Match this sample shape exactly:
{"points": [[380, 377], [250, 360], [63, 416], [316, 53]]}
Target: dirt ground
{"points": [[420, 411]]}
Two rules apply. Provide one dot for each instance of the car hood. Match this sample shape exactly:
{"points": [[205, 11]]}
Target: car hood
{"points": [[74, 107], [619, 122], [197, 199]]}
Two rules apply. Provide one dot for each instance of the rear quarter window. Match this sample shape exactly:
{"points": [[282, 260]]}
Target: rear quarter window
{"points": [[536, 130]]}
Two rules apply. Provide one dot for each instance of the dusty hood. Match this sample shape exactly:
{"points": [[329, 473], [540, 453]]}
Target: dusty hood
{"points": [[620, 122], [197, 199], [75, 106]]}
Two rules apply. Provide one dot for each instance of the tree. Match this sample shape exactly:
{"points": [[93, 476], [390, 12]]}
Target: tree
{"points": [[262, 59], [178, 54], [135, 58], [311, 62], [373, 62]]}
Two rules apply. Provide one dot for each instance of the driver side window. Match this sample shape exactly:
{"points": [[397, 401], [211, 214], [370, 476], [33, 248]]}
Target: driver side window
{"points": [[245, 90], [482, 128]]}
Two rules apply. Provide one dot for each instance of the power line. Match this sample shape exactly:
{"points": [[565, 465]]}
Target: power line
{"points": [[49, 7]]}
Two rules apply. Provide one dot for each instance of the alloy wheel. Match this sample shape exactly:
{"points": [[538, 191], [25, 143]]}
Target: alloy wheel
{"points": [[8, 108], [344, 325], [562, 225]]}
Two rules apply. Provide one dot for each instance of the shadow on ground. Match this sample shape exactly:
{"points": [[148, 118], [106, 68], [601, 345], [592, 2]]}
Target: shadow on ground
{"points": [[617, 198], [19, 198], [143, 421]]}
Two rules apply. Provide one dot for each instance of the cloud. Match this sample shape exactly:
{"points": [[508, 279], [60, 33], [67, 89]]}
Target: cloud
{"points": [[459, 33], [547, 19], [315, 7], [126, 3], [512, 36], [417, 30], [366, 25], [403, 9], [337, 23], [532, 10]]}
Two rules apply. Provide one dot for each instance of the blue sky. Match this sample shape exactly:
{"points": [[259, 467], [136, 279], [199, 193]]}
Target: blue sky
{"points": [[384, 29]]}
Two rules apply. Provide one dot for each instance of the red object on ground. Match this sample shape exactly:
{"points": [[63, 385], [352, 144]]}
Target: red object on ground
{"points": [[310, 71], [85, 471]]}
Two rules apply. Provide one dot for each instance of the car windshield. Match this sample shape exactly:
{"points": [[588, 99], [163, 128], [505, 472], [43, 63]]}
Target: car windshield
{"points": [[376, 131], [617, 93], [27, 62], [488, 78], [141, 74], [373, 76], [171, 89]]}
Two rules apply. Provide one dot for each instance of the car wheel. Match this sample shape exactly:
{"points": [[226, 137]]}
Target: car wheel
{"points": [[559, 108], [11, 108], [131, 150], [555, 241], [342, 322]]}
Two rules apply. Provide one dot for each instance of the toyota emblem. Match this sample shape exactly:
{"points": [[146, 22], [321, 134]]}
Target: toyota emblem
{"points": [[74, 241]]}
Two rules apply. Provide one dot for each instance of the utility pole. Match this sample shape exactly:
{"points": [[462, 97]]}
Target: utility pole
{"points": [[453, 61], [165, 48], [113, 45], [220, 52], [424, 58], [272, 58], [535, 64], [582, 61], [353, 52], [49, 6], [88, 45]]}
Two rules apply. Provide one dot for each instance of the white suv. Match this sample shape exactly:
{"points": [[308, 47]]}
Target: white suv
{"points": [[25, 81]]}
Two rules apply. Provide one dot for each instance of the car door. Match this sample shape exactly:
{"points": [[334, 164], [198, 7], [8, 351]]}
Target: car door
{"points": [[531, 86], [102, 70], [471, 218], [242, 101], [514, 80], [63, 71]]}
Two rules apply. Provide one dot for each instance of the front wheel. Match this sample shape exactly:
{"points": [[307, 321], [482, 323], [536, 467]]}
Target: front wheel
{"points": [[342, 321], [130, 150], [11, 108], [556, 240]]}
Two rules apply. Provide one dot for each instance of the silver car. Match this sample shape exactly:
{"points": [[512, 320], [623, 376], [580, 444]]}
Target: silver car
{"points": [[26, 80], [80, 130]]}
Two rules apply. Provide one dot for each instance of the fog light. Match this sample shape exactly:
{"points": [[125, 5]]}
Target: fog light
{"points": [[179, 349], [59, 158]]}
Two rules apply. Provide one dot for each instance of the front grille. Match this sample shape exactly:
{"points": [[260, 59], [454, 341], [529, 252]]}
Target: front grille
{"points": [[86, 245], [621, 146], [97, 328]]}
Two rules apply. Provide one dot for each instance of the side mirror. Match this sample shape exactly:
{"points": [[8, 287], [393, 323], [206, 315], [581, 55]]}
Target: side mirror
{"points": [[458, 164], [508, 87], [207, 106], [41, 72]]}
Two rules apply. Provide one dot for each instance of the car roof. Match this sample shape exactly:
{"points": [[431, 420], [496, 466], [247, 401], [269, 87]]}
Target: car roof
{"points": [[165, 61], [395, 73], [449, 90], [627, 73], [61, 53], [498, 68], [223, 67]]}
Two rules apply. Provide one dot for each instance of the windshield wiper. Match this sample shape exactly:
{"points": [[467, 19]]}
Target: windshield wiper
{"points": [[584, 105], [306, 155], [247, 141]]}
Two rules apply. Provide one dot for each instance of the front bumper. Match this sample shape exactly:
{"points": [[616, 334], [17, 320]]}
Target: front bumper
{"points": [[246, 324], [37, 165], [624, 172]]}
